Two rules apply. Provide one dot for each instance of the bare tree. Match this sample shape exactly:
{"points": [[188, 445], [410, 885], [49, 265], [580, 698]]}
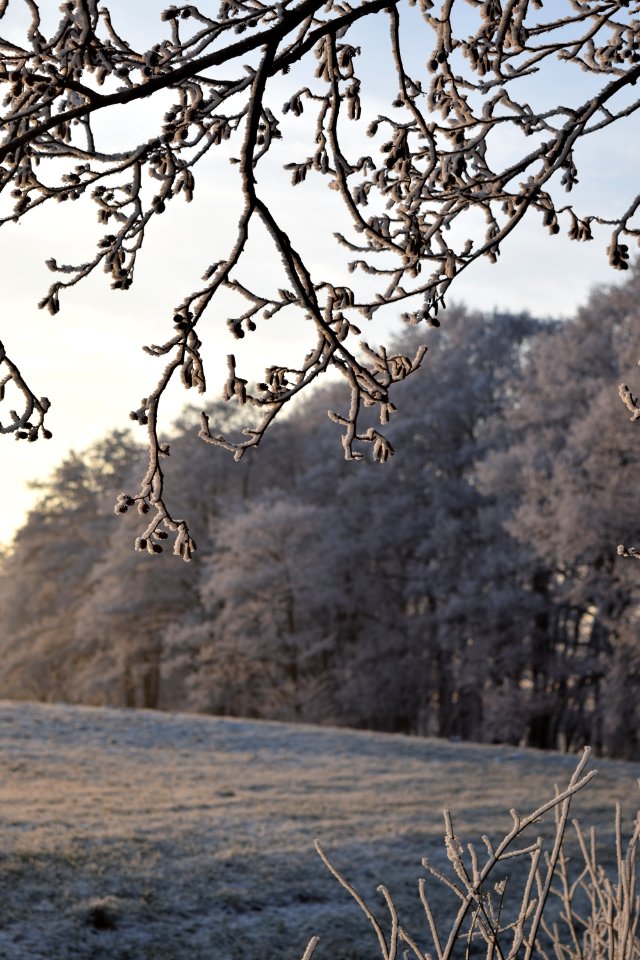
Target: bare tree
{"points": [[436, 163]]}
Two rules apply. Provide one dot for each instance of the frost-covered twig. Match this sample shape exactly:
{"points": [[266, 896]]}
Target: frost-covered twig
{"points": [[28, 425], [514, 924]]}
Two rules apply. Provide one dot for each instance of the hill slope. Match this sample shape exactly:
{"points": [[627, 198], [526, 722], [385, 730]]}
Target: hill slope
{"points": [[146, 836]]}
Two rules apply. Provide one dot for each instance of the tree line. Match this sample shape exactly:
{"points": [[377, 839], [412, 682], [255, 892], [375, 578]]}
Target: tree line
{"points": [[469, 587]]}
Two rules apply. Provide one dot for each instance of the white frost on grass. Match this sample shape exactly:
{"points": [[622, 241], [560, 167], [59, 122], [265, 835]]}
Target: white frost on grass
{"points": [[133, 835]]}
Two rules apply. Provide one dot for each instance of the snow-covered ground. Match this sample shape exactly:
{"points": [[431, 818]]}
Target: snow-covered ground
{"points": [[144, 836]]}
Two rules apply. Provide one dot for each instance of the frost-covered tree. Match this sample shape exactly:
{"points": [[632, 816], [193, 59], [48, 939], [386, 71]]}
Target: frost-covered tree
{"points": [[566, 484], [269, 603], [289, 84], [82, 616], [465, 605], [45, 580], [116, 633]]}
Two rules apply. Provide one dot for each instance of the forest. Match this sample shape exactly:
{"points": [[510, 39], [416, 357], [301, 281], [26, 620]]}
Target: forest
{"points": [[468, 587]]}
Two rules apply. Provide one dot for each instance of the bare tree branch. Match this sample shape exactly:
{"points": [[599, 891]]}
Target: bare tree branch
{"points": [[435, 160]]}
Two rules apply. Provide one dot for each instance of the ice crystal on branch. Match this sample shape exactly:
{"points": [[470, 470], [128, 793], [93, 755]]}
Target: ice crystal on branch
{"points": [[432, 162]]}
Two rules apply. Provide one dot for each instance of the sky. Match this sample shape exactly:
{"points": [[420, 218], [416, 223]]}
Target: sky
{"points": [[88, 359]]}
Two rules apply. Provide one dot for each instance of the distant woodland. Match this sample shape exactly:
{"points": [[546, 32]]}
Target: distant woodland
{"points": [[468, 587]]}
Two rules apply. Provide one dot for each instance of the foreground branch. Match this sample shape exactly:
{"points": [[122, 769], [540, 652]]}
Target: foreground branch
{"points": [[433, 162], [597, 916]]}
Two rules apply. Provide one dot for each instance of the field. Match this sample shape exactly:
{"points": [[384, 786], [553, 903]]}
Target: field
{"points": [[146, 836]]}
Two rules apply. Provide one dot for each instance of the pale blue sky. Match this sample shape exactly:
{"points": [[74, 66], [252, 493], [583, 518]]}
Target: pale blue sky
{"points": [[88, 359]]}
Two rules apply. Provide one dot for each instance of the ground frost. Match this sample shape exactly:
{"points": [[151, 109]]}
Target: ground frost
{"points": [[143, 836]]}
